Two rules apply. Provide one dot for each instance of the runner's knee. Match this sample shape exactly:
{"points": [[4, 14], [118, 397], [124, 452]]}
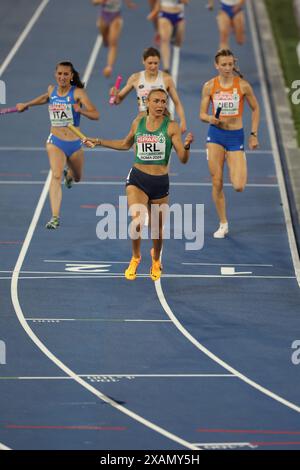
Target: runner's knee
{"points": [[217, 183], [238, 187], [56, 175]]}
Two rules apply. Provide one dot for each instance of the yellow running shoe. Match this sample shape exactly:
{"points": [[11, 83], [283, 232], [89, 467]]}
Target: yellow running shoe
{"points": [[156, 268], [130, 272]]}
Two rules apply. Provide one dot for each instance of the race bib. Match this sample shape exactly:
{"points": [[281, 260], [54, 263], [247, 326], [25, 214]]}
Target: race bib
{"points": [[229, 103], [112, 6], [142, 98], [61, 114], [151, 147]]}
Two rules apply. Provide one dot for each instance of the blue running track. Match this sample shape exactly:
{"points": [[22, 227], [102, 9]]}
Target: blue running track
{"points": [[200, 360]]}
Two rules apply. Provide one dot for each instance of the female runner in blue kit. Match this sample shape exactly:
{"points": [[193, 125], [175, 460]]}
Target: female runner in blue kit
{"points": [[67, 102]]}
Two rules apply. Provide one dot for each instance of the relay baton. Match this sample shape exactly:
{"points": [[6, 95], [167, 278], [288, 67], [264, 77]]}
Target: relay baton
{"points": [[112, 98], [8, 110], [79, 133], [218, 112]]}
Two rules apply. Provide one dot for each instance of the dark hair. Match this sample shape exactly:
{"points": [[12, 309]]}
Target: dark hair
{"points": [[228, 53], [151, 52], [76, 81]]}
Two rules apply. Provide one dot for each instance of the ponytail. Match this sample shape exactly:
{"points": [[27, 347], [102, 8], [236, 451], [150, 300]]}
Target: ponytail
{"points": [[76, 81], [236, 68]]}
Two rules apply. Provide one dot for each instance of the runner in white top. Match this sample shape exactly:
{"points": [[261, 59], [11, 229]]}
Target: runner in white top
{"points": [[151, 78], [230, 17], [171, 25], [143, 88]]}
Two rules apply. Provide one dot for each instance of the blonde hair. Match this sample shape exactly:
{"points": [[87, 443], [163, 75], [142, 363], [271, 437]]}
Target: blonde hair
{"points": [[166, 112]]}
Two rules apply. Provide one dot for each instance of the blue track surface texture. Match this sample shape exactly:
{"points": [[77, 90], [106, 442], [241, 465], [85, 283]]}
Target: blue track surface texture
{"points": [[202, 359]]}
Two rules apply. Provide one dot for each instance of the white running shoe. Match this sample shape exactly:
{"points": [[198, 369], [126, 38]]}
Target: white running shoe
{"points": [[222, 231]]}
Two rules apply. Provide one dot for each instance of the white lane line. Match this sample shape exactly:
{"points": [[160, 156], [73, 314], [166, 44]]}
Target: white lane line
{"points": [[121, 183], [41, 149], [185, 263], [215, 358], [22, 182], [146, 321], [125, 376], [92, 59], [274, 144], [175, 64], [126, 262], [174, 74], [229, 185], [228, 264], [21, 149], [99, 149], [83, 262], [23, 36], [48, 353], [166, 276], [225, 445], [62, 274], [109, 320]]}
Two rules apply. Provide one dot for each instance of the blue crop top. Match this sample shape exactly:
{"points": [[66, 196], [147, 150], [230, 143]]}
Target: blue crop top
{"points": [[61, 109]]}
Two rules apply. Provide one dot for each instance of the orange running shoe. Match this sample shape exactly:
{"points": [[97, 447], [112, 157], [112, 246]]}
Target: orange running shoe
{"points": [[130, 272], [156, 268]]}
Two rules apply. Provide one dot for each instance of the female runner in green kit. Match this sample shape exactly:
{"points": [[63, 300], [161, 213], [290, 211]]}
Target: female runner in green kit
{"points": [[147, 185]]}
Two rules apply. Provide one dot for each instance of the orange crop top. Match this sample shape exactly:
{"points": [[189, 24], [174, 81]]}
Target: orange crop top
{"points": [[230, 99]]}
